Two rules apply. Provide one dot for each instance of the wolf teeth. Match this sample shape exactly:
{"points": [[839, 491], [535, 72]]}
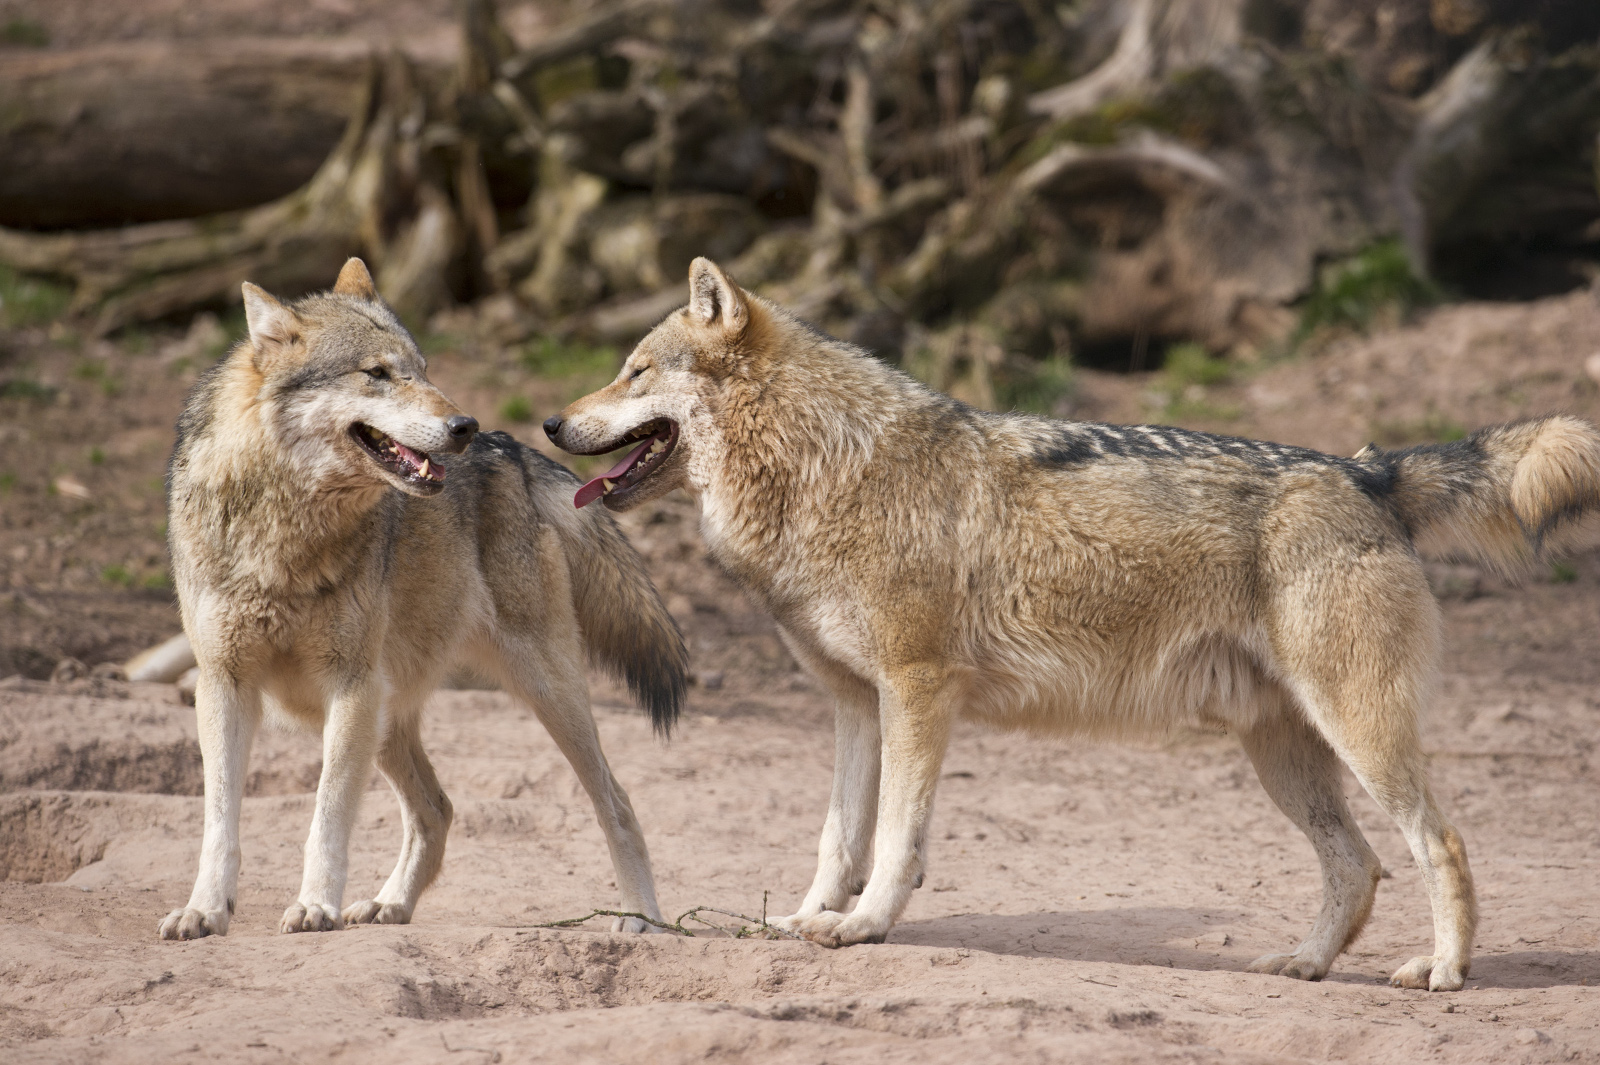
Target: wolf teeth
{"points": [[424, 468], [608, 485], [657, 447]]}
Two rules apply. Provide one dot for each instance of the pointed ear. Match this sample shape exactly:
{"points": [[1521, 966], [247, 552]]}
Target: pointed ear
{"points": [[272, 325], [714, 298], [354, 280]]}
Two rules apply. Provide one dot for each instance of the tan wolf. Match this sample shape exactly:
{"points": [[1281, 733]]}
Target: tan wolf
{"points": [[341, 536], [925, 560]]}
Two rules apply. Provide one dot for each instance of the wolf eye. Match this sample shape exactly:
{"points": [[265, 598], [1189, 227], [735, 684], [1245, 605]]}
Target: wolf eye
{"points": [[377, 373], [634, 376]]}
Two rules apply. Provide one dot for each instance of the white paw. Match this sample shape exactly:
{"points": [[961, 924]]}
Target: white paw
{"points": [[832, 929], [313, 918], [633, 925], [194, 924], [1291, 965], [371, 911], [1431, 973]]}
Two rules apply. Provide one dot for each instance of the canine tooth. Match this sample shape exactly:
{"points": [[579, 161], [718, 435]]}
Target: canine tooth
{"points": [[657, 447], [424, 468], [608, 485]]}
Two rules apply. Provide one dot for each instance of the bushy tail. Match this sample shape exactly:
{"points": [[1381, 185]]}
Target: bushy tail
{"points": [[626, 628], [1503, 495]]}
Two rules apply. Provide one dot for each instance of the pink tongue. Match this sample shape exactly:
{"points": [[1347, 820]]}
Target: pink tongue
{"points": [[594, 489]]}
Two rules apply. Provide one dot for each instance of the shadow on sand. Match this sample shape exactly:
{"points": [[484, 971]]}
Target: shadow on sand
{"points": [[1171, 937]]}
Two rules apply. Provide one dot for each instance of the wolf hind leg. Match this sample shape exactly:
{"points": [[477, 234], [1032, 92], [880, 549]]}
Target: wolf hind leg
{"points": [[1361, 676], [541, 661], [1381, 748], [1300, 772], [844, 854], [425, 816], [561, 700], [228, 717]]}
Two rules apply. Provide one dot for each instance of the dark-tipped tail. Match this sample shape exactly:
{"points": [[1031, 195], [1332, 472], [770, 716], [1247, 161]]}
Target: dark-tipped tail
{"points": [[626, 628], [1503, 495]]}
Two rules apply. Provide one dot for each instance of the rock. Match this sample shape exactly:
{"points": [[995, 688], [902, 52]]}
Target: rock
{"points": [[1213, 940], [711, 679], [109, 671], [68, 670]]}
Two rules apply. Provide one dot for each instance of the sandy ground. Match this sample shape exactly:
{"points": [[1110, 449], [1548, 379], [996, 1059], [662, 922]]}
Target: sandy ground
{"points": [[1083, 903]]}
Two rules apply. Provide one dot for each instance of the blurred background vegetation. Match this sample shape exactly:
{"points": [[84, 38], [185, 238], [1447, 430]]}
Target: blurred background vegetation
{"points": [[989, 193], [1317, 221]]}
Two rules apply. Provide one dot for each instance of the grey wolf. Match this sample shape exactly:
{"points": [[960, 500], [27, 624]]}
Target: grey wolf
{"points": [[341, 536], [926, 560]]}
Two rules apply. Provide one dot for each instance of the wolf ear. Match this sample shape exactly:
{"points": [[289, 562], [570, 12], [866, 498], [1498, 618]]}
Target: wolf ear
{"points": [[272, 325], [354, 280], [713, 297]]}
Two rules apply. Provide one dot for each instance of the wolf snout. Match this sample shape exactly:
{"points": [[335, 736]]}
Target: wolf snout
{"points": [[461, 429], [552, 426]]}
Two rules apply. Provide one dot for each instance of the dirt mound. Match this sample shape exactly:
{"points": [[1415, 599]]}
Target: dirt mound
{"points": [[108, 736]]}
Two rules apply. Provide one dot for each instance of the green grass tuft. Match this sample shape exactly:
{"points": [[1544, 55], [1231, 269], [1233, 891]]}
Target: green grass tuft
{"points": [[24, 33], [1562, 573], [1353, 292], [552, 358], [22, 388], [1431, 428], [1187, 370], [117, 575], [26, 300], [517, 409], [1033, 385]]}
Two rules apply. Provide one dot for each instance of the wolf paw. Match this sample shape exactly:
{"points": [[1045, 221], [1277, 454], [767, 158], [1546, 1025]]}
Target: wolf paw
{"points": [[1290, 965], [633, 925], [838, 929], [313, 918], [788, 924], [1430, 973], [194, 924], [371, 911]]}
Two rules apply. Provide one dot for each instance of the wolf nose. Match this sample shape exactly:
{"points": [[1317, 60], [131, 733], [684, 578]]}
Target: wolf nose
{"points": [[552, 426], [461, 427]]}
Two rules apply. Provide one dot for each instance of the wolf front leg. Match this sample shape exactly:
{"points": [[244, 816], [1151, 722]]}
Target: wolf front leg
{"points": [[914, 710], [844, 855], [349, 744], [228, 716]]}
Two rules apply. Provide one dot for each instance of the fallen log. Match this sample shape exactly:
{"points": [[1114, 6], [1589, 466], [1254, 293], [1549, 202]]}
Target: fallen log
{"points": [[150, 130], [292, 244]]}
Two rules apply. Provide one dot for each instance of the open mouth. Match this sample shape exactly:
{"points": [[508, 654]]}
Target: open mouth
{"points": [[656, 440], [413, 467]]}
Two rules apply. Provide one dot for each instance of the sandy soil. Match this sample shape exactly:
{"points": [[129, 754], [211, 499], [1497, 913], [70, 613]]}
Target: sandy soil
{"points": [[1083, 903]]}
